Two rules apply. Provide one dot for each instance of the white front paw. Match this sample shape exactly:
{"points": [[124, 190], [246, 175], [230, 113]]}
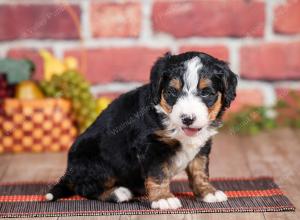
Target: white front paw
{"points": [[169, 203], [217, 196]]}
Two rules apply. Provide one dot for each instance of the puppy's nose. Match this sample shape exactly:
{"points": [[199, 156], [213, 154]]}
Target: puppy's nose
{"points": [[188, 119]]}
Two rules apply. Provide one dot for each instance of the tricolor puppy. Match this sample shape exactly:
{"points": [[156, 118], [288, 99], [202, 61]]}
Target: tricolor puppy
{"points": [[150, 134]]}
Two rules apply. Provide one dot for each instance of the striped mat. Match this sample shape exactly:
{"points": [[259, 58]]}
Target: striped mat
{"points": [[245, 195]]}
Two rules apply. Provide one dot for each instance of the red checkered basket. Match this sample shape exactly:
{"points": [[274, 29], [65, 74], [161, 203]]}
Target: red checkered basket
{"points": [[36, 125]]}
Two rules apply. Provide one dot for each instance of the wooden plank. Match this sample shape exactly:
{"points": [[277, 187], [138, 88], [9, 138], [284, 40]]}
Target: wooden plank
{"points": [[5, 161], [32, 167], [288, 147], [204, 216], [35, 167], [296, 133], [227, 155], [231, 216], [267, 154], [45, 218], [112, 217]]}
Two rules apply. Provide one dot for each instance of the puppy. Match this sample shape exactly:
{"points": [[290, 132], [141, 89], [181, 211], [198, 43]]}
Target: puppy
{"points": [[150, 134]]}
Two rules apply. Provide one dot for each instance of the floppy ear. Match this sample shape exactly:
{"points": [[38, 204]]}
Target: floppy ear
{"points": [[228, 81], [156, 76], [229, 85]]}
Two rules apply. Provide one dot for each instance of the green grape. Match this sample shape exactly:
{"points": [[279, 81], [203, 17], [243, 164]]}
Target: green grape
{"points": [[84, 86], [72, 85], [75, 93], [84, 111]]}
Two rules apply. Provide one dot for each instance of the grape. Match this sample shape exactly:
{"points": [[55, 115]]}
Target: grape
{"points": [[71, 85]]}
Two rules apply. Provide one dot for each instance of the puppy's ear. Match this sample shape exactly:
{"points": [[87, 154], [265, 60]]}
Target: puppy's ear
{"points": [[229, 83], [156, 77]]}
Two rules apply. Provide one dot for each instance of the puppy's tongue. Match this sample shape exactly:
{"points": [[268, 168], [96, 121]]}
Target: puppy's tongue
{"points": [[190, 131]]}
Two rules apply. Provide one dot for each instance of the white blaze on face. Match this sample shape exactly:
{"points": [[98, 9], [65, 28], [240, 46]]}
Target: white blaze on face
{"points": [[191, 76], [190, 104]]}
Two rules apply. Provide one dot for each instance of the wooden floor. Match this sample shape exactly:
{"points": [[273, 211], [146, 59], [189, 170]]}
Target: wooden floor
{"points": [[276, 153]]}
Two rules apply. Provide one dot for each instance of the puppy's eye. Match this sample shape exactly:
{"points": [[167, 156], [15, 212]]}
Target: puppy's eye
{"points": [[171, 92], [206, 93]]}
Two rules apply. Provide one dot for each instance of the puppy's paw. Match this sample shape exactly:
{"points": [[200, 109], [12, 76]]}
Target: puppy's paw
{"points": [[122, 194], [168, 203], [217, 196]]}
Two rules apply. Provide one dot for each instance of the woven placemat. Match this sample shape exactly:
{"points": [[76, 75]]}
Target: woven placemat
{"points": [[259, 194]]}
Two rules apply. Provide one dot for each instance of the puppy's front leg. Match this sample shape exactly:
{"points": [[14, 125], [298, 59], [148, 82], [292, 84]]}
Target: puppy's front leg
{"points": [[158, 191], [197, 171]]}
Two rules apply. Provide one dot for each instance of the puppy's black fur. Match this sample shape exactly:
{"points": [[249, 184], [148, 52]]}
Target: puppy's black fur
{"points": [[121, 148]]}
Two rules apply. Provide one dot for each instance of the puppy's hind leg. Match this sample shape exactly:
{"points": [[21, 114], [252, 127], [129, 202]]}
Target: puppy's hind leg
{"points": [[116, 194], [62, 189]]}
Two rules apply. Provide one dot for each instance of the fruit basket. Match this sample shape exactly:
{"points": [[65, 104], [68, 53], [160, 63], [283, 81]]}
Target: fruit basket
{"points": [[36, 125]]}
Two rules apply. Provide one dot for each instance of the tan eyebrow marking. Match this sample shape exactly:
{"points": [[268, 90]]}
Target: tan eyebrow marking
{"points": [[203, 83], [175, 83], [215, 109], [164, 104]]}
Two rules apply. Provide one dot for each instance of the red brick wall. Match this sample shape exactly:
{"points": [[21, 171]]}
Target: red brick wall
{"points": [[117, 41]]}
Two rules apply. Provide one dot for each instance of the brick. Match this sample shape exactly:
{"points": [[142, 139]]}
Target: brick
{"points": [[32, 55], [218, 51], [117, 64], [247, 97], [116, 20], [282, 92], [38, 21], [287, 18], [271, 61], [235, 18]]}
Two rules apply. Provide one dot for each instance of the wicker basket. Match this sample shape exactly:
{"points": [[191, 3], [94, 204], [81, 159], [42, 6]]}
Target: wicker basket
{"points": [[36, 125]]}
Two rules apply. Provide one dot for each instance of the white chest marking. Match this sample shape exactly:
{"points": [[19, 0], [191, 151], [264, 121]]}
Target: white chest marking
{"points": [[190, 146], [183, 157]]}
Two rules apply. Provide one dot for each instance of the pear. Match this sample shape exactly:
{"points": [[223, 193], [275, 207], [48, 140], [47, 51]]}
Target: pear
{"points": [[28, 90]]}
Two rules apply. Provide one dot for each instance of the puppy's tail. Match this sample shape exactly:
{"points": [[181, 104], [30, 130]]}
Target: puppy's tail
{"points": [[61, 190]]}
